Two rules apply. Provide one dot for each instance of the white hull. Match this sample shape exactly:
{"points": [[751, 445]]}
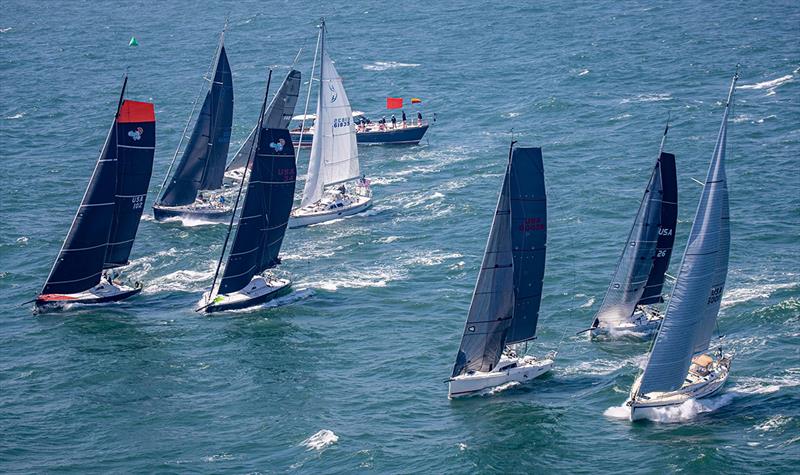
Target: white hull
{"points": [[104, 292], [519, 370], [643, 323], [696, 386], [330, 208]]}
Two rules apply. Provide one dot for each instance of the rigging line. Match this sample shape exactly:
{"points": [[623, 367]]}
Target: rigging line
{"points": [[189, 119], [239, 194], [308, 96]]}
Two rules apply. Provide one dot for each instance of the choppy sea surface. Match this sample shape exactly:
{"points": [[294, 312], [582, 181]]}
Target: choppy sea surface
{"points": [[345, 375]]}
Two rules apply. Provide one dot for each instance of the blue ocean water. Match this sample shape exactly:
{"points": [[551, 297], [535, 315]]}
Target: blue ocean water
{"points": [[346, 374]]}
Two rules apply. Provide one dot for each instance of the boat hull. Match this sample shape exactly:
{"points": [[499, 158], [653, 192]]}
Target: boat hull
{"points": [[299, 218], [526, 369], [102, 293], [411, 135], [642, 324], [161, 213], [259, 291], [710, 385]]}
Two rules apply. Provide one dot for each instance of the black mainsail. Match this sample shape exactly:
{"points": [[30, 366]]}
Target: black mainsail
{"points": [[202, 165], [105, 225], [645, 258], [265, 211], [505, 304], [278, 116]]}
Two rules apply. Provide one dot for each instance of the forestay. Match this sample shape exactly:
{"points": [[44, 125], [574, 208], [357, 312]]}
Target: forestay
{"points": [[334, 155], [265, 212], [694, 304], [505, 302], [636, 262], [202, 165], [278, 116]]}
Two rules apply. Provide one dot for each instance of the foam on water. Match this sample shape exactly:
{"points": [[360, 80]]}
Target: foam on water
{"points": [[321, 440], [359, 278], [772, 83], [685, 412], [744, 294], [384, 65], [181, 281], [499, 389], [648, 98]]}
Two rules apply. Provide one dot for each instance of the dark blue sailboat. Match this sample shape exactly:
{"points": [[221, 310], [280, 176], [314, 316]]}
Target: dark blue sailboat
{"points": [[261, 225], [104, 228], [636, 286], [191, 190]]}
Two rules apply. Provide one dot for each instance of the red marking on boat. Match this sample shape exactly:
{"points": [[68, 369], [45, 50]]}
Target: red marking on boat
{"points": [[55, 297], [135, 111]]}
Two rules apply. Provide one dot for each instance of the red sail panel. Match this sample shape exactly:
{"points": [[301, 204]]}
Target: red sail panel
{"points": [[135, 111]]}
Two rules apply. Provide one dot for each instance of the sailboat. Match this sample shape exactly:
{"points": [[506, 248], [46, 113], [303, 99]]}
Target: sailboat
{"points": [[635, 288], [261, 224], [278, 116], [333, 161], [193, 190], [680, 364], [505, 304], [104, 228]]}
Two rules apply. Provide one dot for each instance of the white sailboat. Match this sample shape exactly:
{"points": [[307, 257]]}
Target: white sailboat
{"points": [[334, 186], [629, 304], [505, 304], [681, 365]]}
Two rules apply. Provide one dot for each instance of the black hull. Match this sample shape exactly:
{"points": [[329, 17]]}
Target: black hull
{"points": [[285, 290], [43, 303], [162, 213]]}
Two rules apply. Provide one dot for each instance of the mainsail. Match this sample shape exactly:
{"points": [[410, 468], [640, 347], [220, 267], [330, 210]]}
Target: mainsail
{"points": [[666, 231], [111, 203], [636, 263], [505, 303], [334, 155], [694, 304], [278, 116], [267, 205], [202, 165]]}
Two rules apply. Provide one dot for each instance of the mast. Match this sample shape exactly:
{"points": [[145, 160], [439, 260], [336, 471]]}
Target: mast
{"points": [[310, 84], [238, 195]]}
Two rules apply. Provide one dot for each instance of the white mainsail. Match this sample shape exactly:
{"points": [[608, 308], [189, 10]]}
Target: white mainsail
{"points": [[693, 307], [334, 155]]}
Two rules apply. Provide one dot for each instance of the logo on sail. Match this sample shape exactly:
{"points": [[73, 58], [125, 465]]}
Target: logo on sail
{"points": [[334, 95], [278, 146], [136, 134]]}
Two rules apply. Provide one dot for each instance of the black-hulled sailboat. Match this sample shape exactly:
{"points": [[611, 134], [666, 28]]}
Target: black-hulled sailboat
{"points": [[278, 116], [261, 225], [194, 190], [104, 228], [505, 304], [628, 307]]}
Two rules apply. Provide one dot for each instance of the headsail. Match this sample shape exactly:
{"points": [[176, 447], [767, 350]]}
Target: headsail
{"points": [[278, 116], [636, 262], [334, 155], [202, 164], [696, 297], [666, 231], [510, 280], [136, 143], [86, 248]]}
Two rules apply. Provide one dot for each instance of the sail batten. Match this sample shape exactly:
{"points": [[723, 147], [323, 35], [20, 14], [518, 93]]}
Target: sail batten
{"points": [[693, 307], [505, 301]]}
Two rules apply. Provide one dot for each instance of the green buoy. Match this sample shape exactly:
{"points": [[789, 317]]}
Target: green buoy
{"points": [[133, 42]]}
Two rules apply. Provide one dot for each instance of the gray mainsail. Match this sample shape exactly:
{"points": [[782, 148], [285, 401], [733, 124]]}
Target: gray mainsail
{"points": [[636, 262], [694, 304], [510, 280], [278, 116]]}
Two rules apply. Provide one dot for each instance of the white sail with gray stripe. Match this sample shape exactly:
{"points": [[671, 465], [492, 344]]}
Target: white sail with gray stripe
{"points": [[695, 301]]}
